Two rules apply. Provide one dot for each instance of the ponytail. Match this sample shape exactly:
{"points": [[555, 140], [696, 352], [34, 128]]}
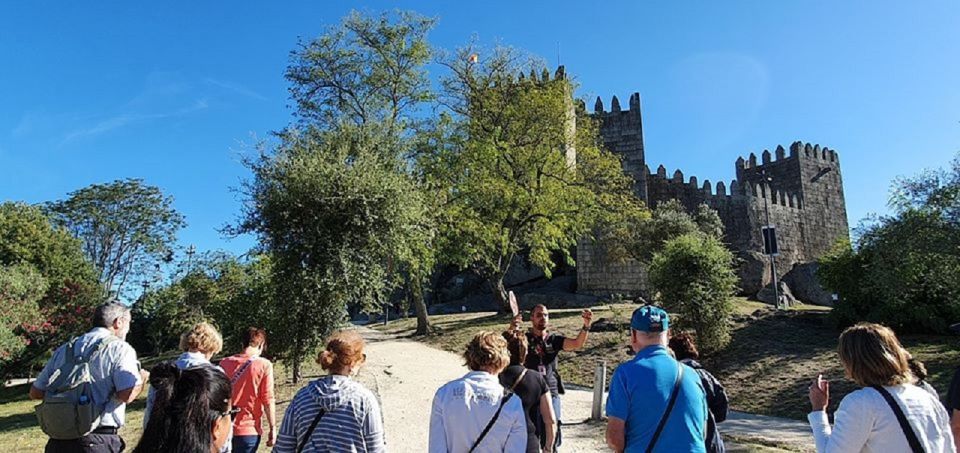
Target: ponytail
{"points": [[186, 404]]}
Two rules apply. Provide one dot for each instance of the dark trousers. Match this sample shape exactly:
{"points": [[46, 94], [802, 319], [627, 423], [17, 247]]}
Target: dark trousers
{"points": [[245, 444], [91, 443]]}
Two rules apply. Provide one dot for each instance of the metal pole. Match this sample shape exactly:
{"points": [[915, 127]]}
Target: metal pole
{"points": [[599, 382]]}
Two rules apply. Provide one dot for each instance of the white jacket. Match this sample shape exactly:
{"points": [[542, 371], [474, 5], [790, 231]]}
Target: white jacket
{"points": [[463, 407], [864, 422]]}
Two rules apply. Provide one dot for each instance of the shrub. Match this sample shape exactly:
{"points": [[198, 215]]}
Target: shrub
{"points": [[693, 276]]}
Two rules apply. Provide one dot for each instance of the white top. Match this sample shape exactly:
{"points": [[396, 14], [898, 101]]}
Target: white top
{"points": [[864, 422], [463, 407], [114, 368]]}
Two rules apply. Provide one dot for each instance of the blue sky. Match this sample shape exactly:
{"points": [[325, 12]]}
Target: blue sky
{"points": [[175, 92]]}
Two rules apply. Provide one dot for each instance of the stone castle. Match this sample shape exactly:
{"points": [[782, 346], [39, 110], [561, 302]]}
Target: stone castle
{"points": [[801, 189]]}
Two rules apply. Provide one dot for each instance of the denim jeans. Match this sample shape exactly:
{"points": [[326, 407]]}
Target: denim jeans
{"points": [[557, 414], [245, 444]]}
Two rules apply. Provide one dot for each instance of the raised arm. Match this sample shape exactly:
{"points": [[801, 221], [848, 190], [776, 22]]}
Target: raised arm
{"points": [[573, 344]]}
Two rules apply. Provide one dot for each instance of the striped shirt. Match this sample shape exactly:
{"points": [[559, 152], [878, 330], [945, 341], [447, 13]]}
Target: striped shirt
{"points": [[352, 421]]}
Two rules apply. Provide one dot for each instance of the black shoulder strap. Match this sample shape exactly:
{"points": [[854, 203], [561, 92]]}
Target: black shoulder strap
{"points": [[238, 373], [908, 431], [493, 420], [666, 413], [313, 426]]}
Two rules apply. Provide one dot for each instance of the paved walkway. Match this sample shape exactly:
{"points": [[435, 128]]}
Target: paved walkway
{"points": [[405, 374]]}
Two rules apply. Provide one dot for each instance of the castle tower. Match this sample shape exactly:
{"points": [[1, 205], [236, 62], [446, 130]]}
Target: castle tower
{"points": [[622, 132], [813, 173]]}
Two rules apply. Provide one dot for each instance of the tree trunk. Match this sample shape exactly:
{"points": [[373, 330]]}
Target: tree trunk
{"points": [[297, 360], [420, 306], [500, 295]]}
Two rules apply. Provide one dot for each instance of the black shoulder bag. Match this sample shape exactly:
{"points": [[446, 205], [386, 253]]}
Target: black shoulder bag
{"points": [[313, 426], [912, 439], [666, 413], [496, 415]]}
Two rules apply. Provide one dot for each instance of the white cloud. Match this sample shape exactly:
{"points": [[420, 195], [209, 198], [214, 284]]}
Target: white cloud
{"points": [[235, 87]]}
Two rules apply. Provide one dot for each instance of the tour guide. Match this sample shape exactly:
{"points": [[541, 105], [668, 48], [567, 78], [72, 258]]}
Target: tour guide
{"points": [[655, 401], [543, 350]]}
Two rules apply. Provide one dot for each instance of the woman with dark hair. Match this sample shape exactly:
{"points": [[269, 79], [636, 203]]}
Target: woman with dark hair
{"points": [[191, 411], [533, 391], [890, 412], [685, 350]]}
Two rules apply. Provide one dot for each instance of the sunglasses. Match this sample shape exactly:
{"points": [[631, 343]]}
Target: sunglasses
{"points": [[232, 413]]}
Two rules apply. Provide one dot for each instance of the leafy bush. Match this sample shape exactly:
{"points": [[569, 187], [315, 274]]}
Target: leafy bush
{"points": [[904, 269], [21, 286], [693, 275]]}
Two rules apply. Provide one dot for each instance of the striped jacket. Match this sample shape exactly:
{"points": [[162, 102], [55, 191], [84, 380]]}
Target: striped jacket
{"points": [[352, 421]]}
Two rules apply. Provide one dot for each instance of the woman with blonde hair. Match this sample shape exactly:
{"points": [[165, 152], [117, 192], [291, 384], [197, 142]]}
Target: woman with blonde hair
{"points": [[475, 413], [890, 412], [198, 344], [334, 412]]}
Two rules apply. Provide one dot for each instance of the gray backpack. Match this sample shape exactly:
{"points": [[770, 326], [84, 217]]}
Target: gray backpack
{"points": [[68, 410]]}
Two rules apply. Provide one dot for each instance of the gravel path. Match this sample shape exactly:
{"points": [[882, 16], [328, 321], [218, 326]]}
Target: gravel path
{"points": [[405, 374]]}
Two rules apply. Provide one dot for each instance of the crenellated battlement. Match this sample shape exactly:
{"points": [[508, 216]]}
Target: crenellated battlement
{"points": [[634, 105], [798, 150], [691, 191]]}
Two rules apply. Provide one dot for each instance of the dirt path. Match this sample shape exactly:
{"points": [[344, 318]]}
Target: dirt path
{"points": [[405, 374]]}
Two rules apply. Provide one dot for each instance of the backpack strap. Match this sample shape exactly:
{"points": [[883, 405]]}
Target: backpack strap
{"points": [[496, 415], [313, 426], [666, 413], [908, 431], [519, 379], [236, 376], [99, 346]]}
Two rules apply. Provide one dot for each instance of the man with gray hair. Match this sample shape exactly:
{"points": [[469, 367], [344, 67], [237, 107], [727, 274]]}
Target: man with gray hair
{"points": [[114, 378]]}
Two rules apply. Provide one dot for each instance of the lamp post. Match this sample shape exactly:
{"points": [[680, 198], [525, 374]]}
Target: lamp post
{"points": [[769, 242]]}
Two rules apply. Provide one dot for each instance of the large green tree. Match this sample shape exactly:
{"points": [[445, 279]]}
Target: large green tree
{"points": [[333, 213], [519, 165], [126, 227], [28, 239], [902, 269], [368, 74]]}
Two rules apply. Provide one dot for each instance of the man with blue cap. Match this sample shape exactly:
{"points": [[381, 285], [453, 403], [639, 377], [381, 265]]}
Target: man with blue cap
{"points": [[655, 403]]}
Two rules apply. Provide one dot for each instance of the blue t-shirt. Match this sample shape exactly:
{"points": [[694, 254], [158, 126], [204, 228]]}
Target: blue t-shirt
{"points": [[639, 393]]}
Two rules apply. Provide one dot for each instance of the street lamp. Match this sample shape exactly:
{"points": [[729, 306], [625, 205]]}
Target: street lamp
{"points": [[769, 236]]}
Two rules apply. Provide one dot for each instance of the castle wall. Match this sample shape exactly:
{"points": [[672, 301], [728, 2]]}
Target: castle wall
{"points": [[799, 191], [603, 277]]}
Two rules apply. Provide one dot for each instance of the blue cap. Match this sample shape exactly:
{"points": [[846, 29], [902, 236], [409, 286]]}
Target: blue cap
{"points": [[650, 319]]}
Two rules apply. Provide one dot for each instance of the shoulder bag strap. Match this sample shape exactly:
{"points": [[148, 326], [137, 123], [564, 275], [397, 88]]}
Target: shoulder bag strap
{"points": [[517, 382], [236, 376], [912, 439], [313, 426], [666, 413], [493, 420]]}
